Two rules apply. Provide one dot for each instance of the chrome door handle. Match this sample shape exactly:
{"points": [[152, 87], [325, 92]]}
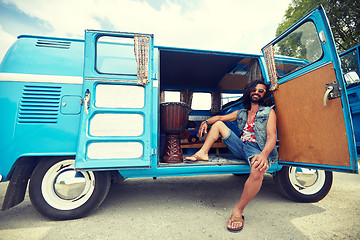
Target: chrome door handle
{"points": [[328, 90], [87, 101]]}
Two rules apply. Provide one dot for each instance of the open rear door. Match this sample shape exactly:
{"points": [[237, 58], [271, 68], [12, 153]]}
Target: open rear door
{"points": [[314, 124], [119, 116]]}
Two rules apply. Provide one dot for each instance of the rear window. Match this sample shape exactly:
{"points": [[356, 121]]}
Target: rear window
{"points": [[201, 101]]}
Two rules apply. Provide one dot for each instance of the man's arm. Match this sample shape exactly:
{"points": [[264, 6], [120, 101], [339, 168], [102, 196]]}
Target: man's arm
{"points": [[224, 118], [260, 160]]}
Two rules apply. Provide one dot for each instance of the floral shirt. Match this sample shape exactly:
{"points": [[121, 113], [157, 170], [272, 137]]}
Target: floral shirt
{"points": [[248, 134]]}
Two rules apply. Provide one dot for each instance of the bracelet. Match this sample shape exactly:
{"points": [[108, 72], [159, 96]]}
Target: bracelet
{"points": [[206, 122]]}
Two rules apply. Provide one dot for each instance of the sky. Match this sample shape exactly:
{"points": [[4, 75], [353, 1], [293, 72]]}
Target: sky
{"points": [[243, 26]]}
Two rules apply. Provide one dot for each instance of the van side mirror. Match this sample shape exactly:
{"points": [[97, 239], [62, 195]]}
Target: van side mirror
{"points": [[351, 77]]}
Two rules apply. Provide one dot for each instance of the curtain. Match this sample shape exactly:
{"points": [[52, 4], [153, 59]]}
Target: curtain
{"points": [[254, 71], [270, 64], [141, 49]]}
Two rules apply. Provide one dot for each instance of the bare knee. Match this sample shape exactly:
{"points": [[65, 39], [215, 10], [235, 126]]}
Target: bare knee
{"points": [[222, 128], [256, 174], [218, 124]]}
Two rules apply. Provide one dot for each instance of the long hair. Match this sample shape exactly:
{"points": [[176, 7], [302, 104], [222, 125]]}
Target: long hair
{"points": [[267, 100]]}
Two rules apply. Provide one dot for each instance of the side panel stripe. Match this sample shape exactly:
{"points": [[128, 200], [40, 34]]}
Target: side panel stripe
{"points": [[19, 77]]}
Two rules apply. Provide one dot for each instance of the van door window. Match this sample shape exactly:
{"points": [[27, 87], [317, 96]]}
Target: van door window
{"points": [[298, 49], [114, 56]]}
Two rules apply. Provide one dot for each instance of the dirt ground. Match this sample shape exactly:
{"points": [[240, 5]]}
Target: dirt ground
{"points": [[196, 208]]}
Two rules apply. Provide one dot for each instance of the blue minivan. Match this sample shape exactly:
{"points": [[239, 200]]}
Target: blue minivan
{"points": [[81, 114]]}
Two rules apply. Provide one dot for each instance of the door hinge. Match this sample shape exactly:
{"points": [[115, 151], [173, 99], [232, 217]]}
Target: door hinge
{"points": [[153, 151]]}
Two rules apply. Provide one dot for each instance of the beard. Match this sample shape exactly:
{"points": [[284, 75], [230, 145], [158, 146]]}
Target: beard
{"points": [[256, 98]]}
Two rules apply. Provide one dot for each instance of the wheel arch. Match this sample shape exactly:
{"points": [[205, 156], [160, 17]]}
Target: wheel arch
{"points": [[20, 174]]}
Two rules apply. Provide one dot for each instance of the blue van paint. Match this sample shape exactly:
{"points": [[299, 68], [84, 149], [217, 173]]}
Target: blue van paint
{"points": [[43, 85], [52, 56], [34, 98], [28, 59], [36, 80]]}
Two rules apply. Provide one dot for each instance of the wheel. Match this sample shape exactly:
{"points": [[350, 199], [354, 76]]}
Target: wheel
{"points": [[304, 184], [59, 192]]}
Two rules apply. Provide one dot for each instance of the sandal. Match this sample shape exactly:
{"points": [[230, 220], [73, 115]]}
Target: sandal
{"points": [[197, 159], [232, 220]]}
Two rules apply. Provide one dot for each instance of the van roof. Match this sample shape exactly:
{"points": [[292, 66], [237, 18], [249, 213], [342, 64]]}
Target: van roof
{"points": [[197, 69]]}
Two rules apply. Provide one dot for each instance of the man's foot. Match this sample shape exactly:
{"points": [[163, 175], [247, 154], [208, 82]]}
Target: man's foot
{"points": [[197, 157], [235, 224]]}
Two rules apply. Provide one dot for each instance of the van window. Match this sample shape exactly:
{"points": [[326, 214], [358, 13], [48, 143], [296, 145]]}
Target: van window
{"points": [[115, 55], [201, 101], [171, 96], [350, 67], [229, 97], [298, 49]]}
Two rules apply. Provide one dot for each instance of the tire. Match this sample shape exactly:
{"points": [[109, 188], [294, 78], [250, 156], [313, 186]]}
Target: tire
{"points": [[304, 184], [59, 192]]}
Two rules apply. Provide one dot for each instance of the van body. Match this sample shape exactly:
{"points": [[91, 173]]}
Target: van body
{"points": [[350, 65], [81, 114]]}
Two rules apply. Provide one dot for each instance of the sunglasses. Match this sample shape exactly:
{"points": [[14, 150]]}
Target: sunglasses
{"points": [[260, 90]]}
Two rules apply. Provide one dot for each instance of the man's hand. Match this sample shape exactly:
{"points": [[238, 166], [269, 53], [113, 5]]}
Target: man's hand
{"points": [[260, 162], [202, 129]]}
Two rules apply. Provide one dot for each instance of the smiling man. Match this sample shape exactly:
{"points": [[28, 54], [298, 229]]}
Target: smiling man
{"points": [[256, 144]]}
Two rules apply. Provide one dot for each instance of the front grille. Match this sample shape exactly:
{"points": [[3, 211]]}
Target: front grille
{"points": [[39, 104]]}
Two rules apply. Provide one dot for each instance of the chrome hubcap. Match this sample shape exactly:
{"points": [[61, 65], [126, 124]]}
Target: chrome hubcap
{"points": [[65, 189], [306, 177], [307, 181], [69, 184]]}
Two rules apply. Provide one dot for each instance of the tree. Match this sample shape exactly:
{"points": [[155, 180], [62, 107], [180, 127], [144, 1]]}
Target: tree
{"points": [[344, 17]]}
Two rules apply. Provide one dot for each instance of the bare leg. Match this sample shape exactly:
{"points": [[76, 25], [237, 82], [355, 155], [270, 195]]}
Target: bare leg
{"points": [[251, 188], [217, 129]]}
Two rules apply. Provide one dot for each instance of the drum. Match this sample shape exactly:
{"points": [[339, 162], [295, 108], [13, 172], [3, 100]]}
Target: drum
{"points": [[174, 117]]}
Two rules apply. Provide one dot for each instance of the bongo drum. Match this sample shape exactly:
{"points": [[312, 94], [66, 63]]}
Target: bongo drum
{"points": [[174, 117]]}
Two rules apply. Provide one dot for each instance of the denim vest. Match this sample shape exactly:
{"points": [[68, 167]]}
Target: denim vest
{"points": [[259, 128]]}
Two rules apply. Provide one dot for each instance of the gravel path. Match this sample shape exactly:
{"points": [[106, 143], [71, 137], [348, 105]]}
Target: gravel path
{"points": [[196, 208]]}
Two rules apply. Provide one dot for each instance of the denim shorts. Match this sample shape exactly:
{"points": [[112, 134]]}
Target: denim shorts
{"points": [[241, 150]]}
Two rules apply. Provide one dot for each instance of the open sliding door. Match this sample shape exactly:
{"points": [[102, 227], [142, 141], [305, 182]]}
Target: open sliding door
{"points": [[313, 118], [118, 117]]}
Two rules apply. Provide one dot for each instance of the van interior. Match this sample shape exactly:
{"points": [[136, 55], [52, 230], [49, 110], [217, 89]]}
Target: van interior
{"points": [[204, 84]]}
